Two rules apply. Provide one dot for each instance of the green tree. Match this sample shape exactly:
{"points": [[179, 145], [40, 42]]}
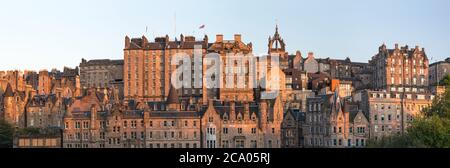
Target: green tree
{"points": [[6, 134], [445, 81]]}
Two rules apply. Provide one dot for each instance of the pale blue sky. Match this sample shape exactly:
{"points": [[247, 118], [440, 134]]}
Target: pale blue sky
{"points": [[54, 33]]}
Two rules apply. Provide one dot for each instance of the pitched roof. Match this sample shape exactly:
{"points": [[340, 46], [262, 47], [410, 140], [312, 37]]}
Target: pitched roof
{"points": [[9, 92], [172, 98]]}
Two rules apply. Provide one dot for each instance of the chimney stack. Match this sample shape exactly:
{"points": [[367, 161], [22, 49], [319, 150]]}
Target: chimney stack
{"points": [[237, 37], [219, 38]]}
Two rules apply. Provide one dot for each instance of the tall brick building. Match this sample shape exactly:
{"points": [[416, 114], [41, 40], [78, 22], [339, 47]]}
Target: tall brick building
{"points": [[148, 69], [400, 68]]}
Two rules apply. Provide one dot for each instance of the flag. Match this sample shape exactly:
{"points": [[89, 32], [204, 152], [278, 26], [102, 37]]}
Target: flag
{"points": [[202, 27]]}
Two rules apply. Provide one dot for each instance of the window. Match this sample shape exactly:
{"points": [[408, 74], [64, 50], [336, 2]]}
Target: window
{"points": [[66, 125], [273, 130], [195, 124], [240, 144], [134, 124], [77, 125], [253, 130], [151, 123], [253, 144], [125, 124], [340, 129], [211, 144], [85, 136], [102, 135], [133, 135], [225, 130], [225, 144], [239, 130], [211, 131], [185, 123]]}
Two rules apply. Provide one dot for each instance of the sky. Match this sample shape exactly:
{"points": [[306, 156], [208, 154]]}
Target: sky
{"points": [[48, 34]]}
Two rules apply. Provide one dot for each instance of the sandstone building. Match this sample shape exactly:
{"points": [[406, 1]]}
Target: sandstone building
{"points": [[438, 71], [400, 69], [103, 73]]}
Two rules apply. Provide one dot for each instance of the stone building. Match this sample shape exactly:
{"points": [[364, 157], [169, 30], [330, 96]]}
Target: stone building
{"points": [[13, 106], [95, 122], [90, 123], [44, 138], [64, 84], [292, 129], [345, 87], [45, 82], [177, 125], [438, 71], [233, 124], [390, 113], [232, 89], [102, 73], [334, 123], [310, 64], [400, 69], [44, 111], [14, 78], [148, 67]]}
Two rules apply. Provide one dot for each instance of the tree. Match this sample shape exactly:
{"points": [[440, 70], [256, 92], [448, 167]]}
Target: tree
{"points": [[445, 81], [6, 134]]}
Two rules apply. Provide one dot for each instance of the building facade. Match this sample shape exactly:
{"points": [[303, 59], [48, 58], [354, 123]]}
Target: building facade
{"points": [[400, 68], [100, 73], [292, 129], [148, 67], [438, 71], [334, 123], [242, 124], [391, 113]]}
